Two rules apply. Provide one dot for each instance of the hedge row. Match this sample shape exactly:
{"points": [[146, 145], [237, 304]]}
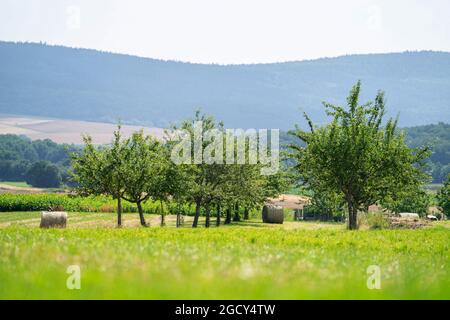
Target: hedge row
{"points": [[72, 203], [39, 202]]}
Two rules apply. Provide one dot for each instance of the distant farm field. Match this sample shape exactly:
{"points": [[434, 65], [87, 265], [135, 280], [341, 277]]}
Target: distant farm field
{"points": [[65, 131], [12, 187], [247, 260]]}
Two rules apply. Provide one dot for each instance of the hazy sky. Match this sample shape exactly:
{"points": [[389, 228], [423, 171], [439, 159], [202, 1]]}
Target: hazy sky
{"points": [[231, 31]]}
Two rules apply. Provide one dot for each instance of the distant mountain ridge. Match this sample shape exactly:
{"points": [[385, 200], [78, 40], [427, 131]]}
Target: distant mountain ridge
{"points": [[55, 81]]}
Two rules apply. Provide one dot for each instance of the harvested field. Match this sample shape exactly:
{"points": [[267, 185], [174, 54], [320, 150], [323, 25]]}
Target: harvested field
{"points": [[8, 188], [66, 131]]}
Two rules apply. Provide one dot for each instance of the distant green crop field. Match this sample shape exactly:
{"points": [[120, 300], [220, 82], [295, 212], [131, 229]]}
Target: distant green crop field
{"points": [[10, 202], [248, 260], [17, 184]]}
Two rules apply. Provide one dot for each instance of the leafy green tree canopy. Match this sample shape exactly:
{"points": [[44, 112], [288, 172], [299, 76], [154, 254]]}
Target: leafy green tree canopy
{"points": [[357, 155], [43, 174]]}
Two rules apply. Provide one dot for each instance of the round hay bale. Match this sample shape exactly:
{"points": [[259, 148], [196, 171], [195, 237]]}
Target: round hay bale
{"points": [[409, 215], [54, 219], [272, 214]]}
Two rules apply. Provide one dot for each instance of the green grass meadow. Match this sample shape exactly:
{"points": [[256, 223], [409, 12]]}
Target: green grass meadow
{"points": [[248, 260]]}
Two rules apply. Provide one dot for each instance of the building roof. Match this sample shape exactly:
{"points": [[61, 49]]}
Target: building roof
{"points": [[289, 201]]}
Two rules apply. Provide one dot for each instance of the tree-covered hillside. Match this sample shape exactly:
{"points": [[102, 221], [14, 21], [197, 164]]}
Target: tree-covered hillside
{"points": [[53, 81], [22, 159]]}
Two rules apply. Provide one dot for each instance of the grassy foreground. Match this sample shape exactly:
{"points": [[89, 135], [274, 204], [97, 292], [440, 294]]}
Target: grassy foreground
{"points": [[297, 260]]}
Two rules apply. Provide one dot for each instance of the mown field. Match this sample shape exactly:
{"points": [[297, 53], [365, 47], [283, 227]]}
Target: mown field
{"points": [[65, 131], [248, 260]]}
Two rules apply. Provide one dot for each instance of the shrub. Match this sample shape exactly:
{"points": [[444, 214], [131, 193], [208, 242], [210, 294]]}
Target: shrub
{"points": [[376, 220], [107, 208], [43, 174], [56, 207]]}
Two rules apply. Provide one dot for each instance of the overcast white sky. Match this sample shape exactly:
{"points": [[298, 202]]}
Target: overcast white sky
{"points": [[231, 31]]}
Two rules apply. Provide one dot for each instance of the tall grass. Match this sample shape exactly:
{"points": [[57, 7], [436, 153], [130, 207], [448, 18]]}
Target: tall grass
{"points": [[235, 262]]}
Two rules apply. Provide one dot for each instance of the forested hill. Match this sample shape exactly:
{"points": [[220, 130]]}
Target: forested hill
{"points": [[52, 81]]}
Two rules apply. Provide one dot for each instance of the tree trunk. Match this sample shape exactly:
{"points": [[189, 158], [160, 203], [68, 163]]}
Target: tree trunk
{"points": [[228, 216], [246, 215], [141, 214], [237, 216], [178, 219], [119, 210], [163, 217], [197, 214], [352, 217], [297, 214], [355, 218], [207, 222], [218, 215], [179, 215]]}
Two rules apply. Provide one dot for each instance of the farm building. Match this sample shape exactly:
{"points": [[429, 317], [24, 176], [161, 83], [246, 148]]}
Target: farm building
{"points": [[301, 209], [289, 201]]}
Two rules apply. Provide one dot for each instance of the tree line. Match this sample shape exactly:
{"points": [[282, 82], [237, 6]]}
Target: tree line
{"points": [[41, 163], [140, 168], [357, 160]]}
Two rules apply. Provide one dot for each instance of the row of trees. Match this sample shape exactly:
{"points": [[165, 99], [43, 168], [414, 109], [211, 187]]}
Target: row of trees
{"points": [[41, 174], [357, 160], [139, 168]]}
